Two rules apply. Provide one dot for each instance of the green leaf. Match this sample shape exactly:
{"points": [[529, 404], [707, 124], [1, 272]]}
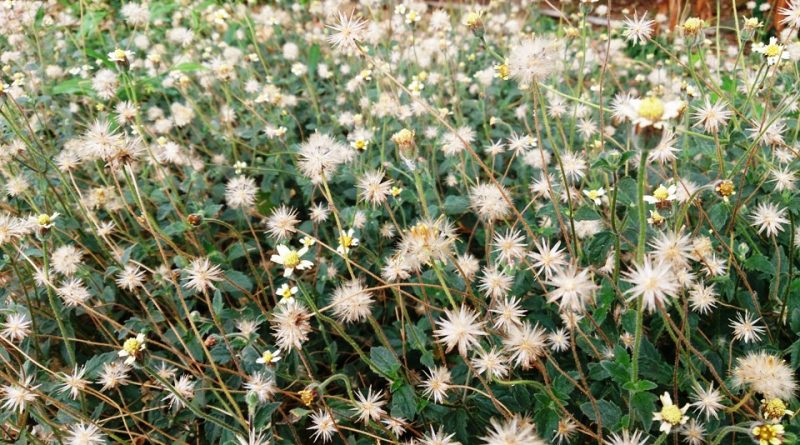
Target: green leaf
{"points": [[385, 361], [455, 205], [90, 22], [73, 86], [314, 55], [238, 278], [404, 402], [609, 413], [264, 414], [640, 386], [644, 404], [187, 67], [217, 304], [759, 263]]}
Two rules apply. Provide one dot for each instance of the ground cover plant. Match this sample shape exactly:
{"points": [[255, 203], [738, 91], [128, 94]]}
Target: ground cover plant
{"points": [[506, 223]]}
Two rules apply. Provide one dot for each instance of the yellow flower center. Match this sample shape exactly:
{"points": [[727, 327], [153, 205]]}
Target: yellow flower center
{"points": [[774, 409], [593, 194], [44, 219], [692, 25], [768, 433], [131, 346], [345, 241], [473, 19], [573, 32], [772, 50], [502, 71], [671, 414], [119, 54], [292, 259], [360, 144], [725, 188], [267, 357], [751, 23], [651, 108], [661, 193], [403, 138], [306, 396]]}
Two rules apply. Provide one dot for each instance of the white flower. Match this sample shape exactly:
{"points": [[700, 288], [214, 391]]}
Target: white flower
{"points": [[184, 391], [240, 192], [652, 111], [347, 32], [16, 327], [437, 383], [774, 52], [282, 222], [323, 426], [74, 383], [459, 328], [662, 195], [712, 116], [547, 259], [269, 357], [638, 29], [291, 259], [286, 292], [534, 60], [526, 344], [491, 363], [769, 218], [368, 407], [438, 437], [351, 302], [670, 415], [515, 431], [791, 14], [708, 401], [46, 221], [17, 396], [346, 241], [120, 55], [290, 325], [596, 195], [573, 289], [653, 283], [131, 277], [85, 434], [746, 329], [201, 275], [132, 347], [626, 438]]}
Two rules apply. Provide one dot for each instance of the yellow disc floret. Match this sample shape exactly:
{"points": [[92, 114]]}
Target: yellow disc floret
{"points": [[773, 409], [726, 188], [132, 346], [692, 26], [768, 434], [292, 259], [44, 219], [671, 414], [772, 50], [651, 108], [661, 193], [345, 240]]}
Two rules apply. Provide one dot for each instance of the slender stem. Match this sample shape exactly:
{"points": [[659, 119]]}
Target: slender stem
{"points": [[54, 306], [640, 250]]}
